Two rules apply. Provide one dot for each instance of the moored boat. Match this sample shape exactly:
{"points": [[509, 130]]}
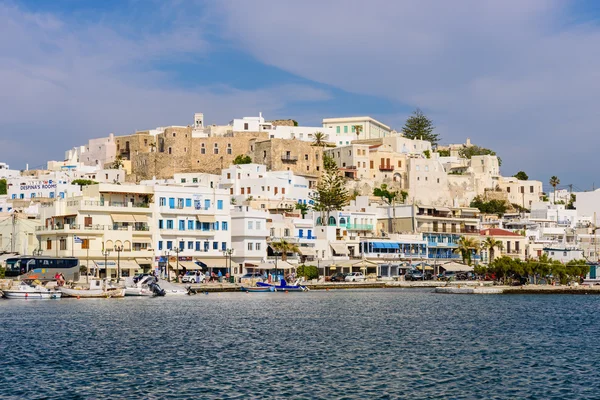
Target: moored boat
{"points": [[259, 289], [26, 291], [283, 286], [97, 289]]}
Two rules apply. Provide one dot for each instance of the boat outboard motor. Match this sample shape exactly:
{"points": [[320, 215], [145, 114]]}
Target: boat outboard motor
{"points": [[157, 290]]}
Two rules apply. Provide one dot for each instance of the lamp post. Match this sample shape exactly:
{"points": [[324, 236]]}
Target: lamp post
{"points": [[118, 249], [167, 253], [177, 250], [105, 253], [37, 252], [227, 254]]}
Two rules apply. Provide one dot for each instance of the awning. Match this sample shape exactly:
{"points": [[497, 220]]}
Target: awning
{"points": [[144, 261], [364, 264], [427, 267], [122, 218], [339, 248], [142, 241], [271, 265], [456, 267], [125, 264], [206, 218], [442, 209], [189, 265], [215, 262], [141, 218], [469, 210], [307, 251]]}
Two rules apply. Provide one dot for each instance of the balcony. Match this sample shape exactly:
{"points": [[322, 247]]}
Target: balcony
{"points": [[288, 158], [359, 227], [91, 205], [388, 168]]}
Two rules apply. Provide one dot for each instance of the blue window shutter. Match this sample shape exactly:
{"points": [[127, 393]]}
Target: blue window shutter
{"points": [[188, 202], [207, 204], [171, 202], [219, 204]]}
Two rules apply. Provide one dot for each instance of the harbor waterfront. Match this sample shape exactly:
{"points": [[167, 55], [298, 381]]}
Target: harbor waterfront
{"points": [[320, 344]]}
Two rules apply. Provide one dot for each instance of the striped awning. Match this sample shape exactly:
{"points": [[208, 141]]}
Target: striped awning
{"points": [[339, 248], [206, 218], [141, 218], [122, 218]]}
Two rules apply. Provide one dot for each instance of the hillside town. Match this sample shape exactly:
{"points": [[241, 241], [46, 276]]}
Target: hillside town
{"points": [[239, 198]]}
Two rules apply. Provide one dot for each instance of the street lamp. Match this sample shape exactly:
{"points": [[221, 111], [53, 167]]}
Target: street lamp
{"points": [[37, 252], [167, 253], [177, 250], [227, 254], [105, 253], [118, 249]]}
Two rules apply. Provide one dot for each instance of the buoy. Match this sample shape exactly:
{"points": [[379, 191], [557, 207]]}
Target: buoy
{"points": [[286, 292], [26, 295], [77, 297]]}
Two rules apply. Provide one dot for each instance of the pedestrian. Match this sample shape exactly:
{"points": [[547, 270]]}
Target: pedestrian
{"points": [[220, 275], [197, 277]]}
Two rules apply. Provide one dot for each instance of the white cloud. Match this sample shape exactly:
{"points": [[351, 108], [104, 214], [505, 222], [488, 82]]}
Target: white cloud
{"points": [[521, 77], [63, 84]]}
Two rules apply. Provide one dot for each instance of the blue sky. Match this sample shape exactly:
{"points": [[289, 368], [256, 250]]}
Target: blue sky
{"points": [[518, 77]]}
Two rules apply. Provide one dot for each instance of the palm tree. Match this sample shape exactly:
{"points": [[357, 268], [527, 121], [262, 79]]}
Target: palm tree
{"points": [[358, 129], [319, 139], [467, 246], [554, 182], [284, 247], [491, 244]]}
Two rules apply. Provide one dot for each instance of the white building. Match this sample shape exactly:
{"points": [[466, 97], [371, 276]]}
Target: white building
{"points": [[6, 172], [18, 232], [53, 185], [371, 128], [193, 226], [96, 152], [249, 238]]}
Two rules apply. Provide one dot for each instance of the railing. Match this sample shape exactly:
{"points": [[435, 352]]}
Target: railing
{"points": [[75, 227], [359, 227], [386, 167], [95, 203], [287, 157]]}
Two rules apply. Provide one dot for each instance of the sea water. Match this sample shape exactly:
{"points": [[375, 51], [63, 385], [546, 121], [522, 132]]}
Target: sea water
{"points": [[350, 344]]}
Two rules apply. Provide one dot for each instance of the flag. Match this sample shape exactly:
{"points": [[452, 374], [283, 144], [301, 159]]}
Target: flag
{"points": [[77, 239]]}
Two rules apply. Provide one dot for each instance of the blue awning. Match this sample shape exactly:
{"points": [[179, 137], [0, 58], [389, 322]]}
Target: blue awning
{"points": [[394, 245], [378, 245]]}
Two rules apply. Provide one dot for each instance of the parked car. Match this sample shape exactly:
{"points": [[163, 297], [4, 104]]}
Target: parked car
{"points": [[338, 277], [414, 275], [190, 277], [355, 277]]}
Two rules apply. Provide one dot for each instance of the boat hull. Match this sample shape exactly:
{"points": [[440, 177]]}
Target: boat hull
{"points": [[13, 294], [95, 293], [263, 289], [286, 288], [138, 292]]}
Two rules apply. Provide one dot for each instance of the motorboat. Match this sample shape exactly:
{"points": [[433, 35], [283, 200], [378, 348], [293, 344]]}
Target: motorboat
{"points": [[172, 289], [259, 289], [98, 289], [283, 286], [147, 286], [27, 291]]}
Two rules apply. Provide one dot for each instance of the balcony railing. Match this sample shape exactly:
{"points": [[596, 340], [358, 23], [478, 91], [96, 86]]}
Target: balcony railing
{"points": [[386, 167], [288, 158], [94, 203], [359, 227]]}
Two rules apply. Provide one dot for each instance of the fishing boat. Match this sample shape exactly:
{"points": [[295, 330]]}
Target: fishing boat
{"points": [[283, 286], [259, 289], [26, 291], [97, 289]]}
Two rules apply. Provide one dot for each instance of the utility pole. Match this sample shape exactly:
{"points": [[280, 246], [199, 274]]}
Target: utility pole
{"points": [[14, 232]]}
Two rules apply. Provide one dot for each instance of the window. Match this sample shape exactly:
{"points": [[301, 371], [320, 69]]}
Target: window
{"points": [[169, 224], [173, 134], [87, 221], [224, 225], [190, 245], [250, 246], [48, 244], [190, 225], [371, 164], [170, 150], [179, 203], [246, 126], [228, 175], [283, 189], [202, 150], [223, 246], [206, 204], [197, 246], [228, 150], [257, 246], [306, 157], [169, 244], [171, 202], [162, 201], [216, 226], [215, 245], [160, 245], [257, 225], [301, 231], [181, 225], [206, 244], [530, 189], [508, 189], [216, 150], [63, 244], [286, 232], [188, 202], [250, 225], [206, 226], [161, 224], [345, 129], [181, 245], [337, 129], [194, 180], [219, 204]]}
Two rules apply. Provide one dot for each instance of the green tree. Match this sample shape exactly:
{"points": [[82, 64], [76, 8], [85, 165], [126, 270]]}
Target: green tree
{"points": [[3, 186], [491, 244], [444, 153], [467, 247], [242, 159], [522, 176], [118, 162], [571, 203], [489, 207], [303, 209], [319, 139], [331, 193], [470, 151], [284, 247], [418, 126], [427, 154], [358, 129], [308, 271], [83, 182], [383, 192], [554, 182]]}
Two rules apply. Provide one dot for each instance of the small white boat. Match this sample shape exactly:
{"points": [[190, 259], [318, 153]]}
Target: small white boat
{"points": [[144, 287], [98, 289], [25, 291]]}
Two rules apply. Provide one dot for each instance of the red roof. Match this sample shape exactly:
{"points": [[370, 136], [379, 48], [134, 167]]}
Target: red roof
{"points": [[497, 232]]}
